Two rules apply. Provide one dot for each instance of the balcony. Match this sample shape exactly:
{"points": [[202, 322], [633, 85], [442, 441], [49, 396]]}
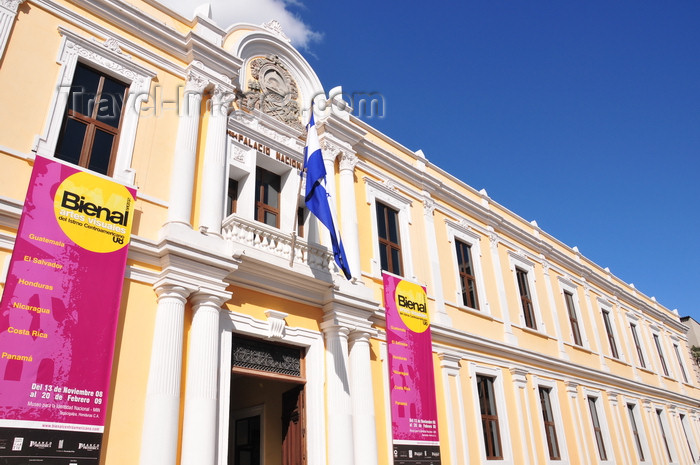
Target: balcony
{"points": [[246, 234]]}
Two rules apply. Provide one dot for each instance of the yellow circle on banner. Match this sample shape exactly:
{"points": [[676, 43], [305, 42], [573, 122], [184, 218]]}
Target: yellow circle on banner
{"points": [[94, 213], [412, 305]]}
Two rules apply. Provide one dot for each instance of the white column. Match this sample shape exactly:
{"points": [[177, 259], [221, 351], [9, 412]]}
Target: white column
{"points": [[440, 313], [620, 431], [553, 305], [339, 406], [579, 432], [593, 314], [502, 296], [200, 421], [525, 421], [214, 172], [456, 422], [348, 212], [8, 13], [162, 415], [185, 157], [362, 398]]}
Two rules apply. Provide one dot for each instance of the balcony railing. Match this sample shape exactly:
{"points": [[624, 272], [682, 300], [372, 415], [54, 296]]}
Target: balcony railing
{"points": [[249, 233]]}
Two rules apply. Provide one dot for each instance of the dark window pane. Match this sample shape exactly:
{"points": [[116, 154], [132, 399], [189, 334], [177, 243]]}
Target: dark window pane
{"points": [[101, 152], [381, 220], [83, 90], [111, 102], [71, 143], [393, 227], [270, 219], [396, 262]]}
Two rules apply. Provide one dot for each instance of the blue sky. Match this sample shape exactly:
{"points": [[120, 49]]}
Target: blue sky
{"points": [[583, 115]]}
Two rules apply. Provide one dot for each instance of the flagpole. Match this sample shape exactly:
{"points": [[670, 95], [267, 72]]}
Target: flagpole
{"points": [[296, 220]]}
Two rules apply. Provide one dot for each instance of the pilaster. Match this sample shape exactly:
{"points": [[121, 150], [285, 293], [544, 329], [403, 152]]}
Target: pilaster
{"points": [[8, 13], [440, 314], [214, 172], [524, 421], [185, 157], [456, 427], [348, 212]]}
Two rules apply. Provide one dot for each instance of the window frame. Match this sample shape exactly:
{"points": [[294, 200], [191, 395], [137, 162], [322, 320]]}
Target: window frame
{"points": [[489, 418], [609, 326], [385, 243], [549, 422], [232, 192], [107, 58], [659, 351], [503, 420], [519, 261], [469, 291], [666, 434], [460, 232], [637, 429], [679, 358], [573, 318], [598, 425], [689, 438], [261, 207], [566, 286], [91, 121], [525, 297], [639, 347], [389, 195]]}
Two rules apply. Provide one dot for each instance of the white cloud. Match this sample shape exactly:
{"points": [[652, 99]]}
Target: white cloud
{"points": [[228, 12]]}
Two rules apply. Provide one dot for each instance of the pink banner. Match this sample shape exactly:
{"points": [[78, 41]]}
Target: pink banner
{"points": [[60, 304], [412, 381]]}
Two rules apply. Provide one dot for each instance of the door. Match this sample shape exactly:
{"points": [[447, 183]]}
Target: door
{"points": [[293, 429]]}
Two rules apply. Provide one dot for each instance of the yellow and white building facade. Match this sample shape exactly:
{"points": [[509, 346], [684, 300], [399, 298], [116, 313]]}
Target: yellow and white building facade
{"points": [[240, 342]]}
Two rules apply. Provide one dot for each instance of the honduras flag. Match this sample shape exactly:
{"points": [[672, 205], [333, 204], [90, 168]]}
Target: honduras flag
{"points": [[318, 200]]}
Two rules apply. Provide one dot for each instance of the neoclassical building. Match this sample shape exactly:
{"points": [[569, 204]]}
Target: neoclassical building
{"points": [[238, 339]]}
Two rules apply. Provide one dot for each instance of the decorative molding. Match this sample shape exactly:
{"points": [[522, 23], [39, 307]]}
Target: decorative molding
{"points": [[277, 323], [275, 27], [348, 161], [330, 150], [429, 206], [75, 48], [8, 13], [267, 357], [273, 91]]}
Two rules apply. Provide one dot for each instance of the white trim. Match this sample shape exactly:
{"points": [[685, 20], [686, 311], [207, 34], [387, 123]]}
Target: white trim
{"points": [[633, 319], [667, 432], [606, 307], [8, 13], [518, 261], [473, 240], [312, 341], [641, 431], [109, 59], [558, 421], [566, 285], [680, 360], [603, 421], [687, 431], [501, 410], [390, 196]]}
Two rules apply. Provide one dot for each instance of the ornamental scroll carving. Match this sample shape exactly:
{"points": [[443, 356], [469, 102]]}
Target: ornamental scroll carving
{"points": [[267, 357], [273, 91]]}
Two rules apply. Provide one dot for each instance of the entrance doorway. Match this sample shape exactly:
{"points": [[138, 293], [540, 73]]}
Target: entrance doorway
{"points": [[267, 422]]}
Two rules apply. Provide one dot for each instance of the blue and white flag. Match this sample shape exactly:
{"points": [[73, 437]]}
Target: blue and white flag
{"points": [[318, 200]]}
